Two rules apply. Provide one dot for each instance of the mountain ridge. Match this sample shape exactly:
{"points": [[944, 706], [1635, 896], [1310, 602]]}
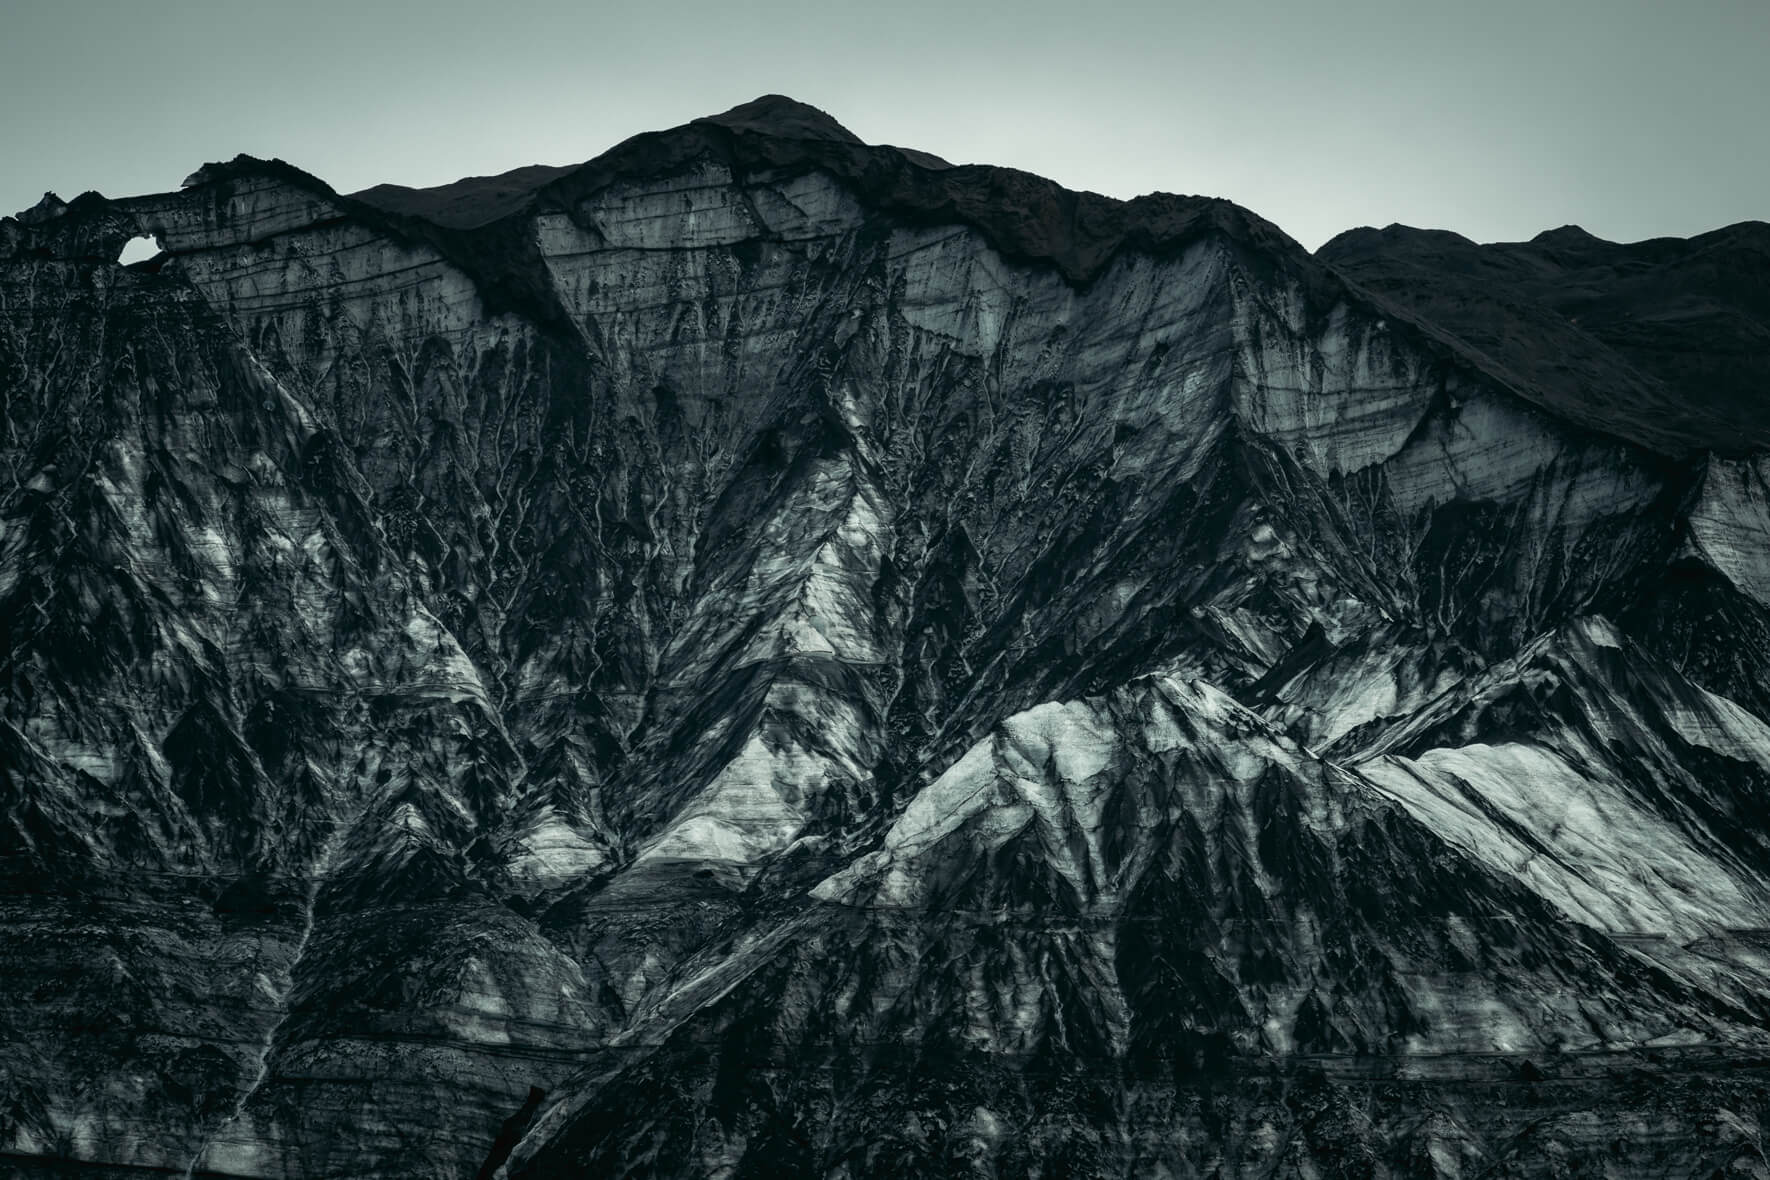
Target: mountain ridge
{"points": [[478, 221]]}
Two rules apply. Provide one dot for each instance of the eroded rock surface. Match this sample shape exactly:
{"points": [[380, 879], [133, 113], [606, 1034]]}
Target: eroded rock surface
{"points": [[765, 655]]}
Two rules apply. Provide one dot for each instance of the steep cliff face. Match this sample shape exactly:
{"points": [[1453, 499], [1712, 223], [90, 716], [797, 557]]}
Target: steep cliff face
{"points": [[765, 655]]}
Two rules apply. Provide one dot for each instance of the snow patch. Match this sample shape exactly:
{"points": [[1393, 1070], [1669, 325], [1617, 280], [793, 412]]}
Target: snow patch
{"points": [[1579, 842]]}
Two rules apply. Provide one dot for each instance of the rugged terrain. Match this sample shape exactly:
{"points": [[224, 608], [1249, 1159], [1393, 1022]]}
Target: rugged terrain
{"points": [[762, 655]]}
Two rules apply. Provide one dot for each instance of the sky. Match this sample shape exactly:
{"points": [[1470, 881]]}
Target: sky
{"points": [[1494, 118]]}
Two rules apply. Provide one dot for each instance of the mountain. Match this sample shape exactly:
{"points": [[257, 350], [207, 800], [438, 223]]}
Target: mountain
{"points": [[1667, 340], [763, 655]]}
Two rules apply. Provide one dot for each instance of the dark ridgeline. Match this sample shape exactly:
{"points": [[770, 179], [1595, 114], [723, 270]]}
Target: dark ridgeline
{"points": [[762, 655]]}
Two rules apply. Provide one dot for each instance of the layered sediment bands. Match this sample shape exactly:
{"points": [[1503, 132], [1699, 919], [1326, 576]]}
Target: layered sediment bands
{"points": [[822, 661]]}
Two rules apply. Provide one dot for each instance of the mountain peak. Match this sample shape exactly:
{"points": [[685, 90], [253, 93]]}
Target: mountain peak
{"points": [[1567, 235], [784, 118]]}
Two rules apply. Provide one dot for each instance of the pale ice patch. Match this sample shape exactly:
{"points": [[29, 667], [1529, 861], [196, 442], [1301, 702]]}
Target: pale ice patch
{"points": [[1335, 400], [552, 852], [1356, 701], [410, 819], [1730, 524], [1072, 736], [102, 764], [480, 1013], [743, 815], [1597, 629], [1603, 859], [1046, 767], [968, 787]]}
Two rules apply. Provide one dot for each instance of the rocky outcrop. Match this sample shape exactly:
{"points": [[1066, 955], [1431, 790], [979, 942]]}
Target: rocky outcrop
{"points": [[762, 654]]}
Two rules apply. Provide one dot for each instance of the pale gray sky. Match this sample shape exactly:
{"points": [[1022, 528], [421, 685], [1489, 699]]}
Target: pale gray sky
{"points": [[1495, 118]]}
